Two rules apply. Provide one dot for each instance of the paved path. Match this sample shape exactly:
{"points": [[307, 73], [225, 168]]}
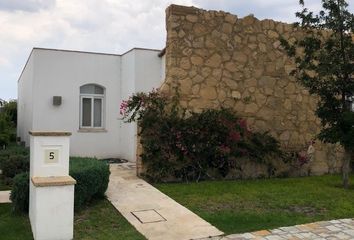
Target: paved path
{"points": [[327, 230], [5, 197], [151, 212]]}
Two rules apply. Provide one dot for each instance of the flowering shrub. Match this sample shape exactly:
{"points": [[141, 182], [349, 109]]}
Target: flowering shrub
{"points": [[302, 158], [297, 159], [139, 104], [190, 147]]}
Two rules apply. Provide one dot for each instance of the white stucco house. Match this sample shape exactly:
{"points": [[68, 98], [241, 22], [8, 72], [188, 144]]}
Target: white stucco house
{"points": [[81, 92]]}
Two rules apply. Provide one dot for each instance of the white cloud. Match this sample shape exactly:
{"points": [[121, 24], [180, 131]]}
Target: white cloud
{"points": [[25, 5]]}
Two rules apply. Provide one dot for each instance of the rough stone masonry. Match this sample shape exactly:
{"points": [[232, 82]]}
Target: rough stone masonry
{"points": [[219, 60]]}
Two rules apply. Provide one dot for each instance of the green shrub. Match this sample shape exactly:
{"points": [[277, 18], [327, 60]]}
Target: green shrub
{"points": [[14, 164], [6, 130], [10, 109], [8, 118], [13, 160], [92, 178], [20, 192], [13, 149]]}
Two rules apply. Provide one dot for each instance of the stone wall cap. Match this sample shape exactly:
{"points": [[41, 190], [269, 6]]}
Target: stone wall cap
{"points": [[53, 181], [174, 9], [49, 133]]}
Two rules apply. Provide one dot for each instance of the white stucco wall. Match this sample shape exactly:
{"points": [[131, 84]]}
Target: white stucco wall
{"points": [[52, 212], [25, 101], [128, 132], [61, 73], [141, 72]]}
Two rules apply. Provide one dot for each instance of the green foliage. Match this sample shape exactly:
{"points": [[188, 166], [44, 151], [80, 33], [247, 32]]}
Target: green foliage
{"points": [[14, 164], [91, 175], [13, 160], [325, 66], [20, 192], [324, 60], [140, 104], [8, 118], [198, 146], [6, 131], [92, 178], [10, 109]]}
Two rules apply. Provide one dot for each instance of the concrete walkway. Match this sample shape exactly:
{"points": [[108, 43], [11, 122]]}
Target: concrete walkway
{"points": [[333, 230], [5, 197], [151, 212]]}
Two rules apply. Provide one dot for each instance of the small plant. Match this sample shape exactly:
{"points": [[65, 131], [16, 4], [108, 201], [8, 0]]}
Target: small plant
{"points": [[297, 159], [303, 158]]}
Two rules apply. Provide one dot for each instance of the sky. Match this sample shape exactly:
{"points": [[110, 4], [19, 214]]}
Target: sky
{"points": [[109, 26]]}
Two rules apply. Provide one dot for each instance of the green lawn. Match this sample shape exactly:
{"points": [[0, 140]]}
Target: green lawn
{"points": [[248, 205], [13, 226], [99, 221]]}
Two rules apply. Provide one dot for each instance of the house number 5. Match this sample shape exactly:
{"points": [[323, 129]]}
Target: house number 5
{"points": [[51, 155]]}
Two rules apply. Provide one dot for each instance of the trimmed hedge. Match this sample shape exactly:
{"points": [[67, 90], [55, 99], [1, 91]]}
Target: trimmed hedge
{"points": [[13, 160], [92, 178], [14, 165], [20, 192]]}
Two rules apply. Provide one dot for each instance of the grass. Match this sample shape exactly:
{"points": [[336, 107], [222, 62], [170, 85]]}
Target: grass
{"points": [[13, 226], [102, 221], [98, 221], [249, 205]]}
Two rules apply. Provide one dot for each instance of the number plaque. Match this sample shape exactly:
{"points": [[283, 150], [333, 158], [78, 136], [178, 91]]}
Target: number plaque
{"points": [[51, 155]]}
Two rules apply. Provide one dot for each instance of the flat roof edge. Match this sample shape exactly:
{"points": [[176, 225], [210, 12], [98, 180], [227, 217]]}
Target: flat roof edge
{"points": [[74, 51], [99, 53], [85, 52]]}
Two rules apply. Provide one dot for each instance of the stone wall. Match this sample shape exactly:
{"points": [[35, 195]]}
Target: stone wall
{"points": [[219, 60]]}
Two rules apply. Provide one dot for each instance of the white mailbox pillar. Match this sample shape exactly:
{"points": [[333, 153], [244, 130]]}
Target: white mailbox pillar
{"points": [[51, 203]]}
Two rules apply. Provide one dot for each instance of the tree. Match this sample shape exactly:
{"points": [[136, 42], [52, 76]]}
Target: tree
{"points": [[324, 59], [10, 109], [8, 118]]}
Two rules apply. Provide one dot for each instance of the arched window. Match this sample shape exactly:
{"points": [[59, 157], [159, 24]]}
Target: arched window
{"points": [[91, 106]]}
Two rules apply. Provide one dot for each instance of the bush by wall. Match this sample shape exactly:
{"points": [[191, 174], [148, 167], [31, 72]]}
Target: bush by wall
{"points": [[191, 146], [92, 178], [20, 192]]}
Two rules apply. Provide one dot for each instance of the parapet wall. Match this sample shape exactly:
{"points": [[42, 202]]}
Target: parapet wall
{"points": [[219, 60]]}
